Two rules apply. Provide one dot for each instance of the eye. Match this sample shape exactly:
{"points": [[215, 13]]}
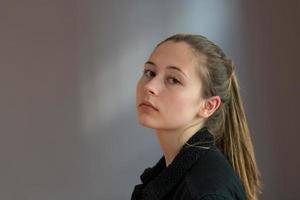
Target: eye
{"points": [[149, 73], [173, 81]]}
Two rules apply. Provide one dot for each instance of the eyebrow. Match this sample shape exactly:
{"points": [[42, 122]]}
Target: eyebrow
{"points": [[169, 67]]}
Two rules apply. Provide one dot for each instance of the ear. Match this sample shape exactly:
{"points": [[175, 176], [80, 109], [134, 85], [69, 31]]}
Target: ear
{"points": [[209, 106]]}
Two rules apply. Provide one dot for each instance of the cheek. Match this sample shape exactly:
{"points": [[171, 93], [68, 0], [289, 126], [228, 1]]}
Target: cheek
{"points": [[138, 91], [183, 105], [139, 85], [179, 105]]}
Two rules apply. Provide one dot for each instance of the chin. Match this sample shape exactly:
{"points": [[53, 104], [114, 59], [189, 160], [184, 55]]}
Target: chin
{"points": [[148, 123]]}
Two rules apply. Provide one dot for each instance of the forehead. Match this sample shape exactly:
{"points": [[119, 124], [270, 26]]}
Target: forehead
{"points": [[178, 54]]}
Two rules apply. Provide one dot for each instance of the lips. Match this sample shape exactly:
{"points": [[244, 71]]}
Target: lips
{"points": [[148, 104]]}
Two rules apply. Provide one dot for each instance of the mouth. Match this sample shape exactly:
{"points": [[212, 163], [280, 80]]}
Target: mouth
{"points": [[147, 105]]}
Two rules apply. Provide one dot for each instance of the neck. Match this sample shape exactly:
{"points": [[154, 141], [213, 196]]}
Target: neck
{"points": [[171, 141]]}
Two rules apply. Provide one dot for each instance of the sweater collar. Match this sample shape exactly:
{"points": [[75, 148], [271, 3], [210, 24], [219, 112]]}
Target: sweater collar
{"points": [[159, 180]]}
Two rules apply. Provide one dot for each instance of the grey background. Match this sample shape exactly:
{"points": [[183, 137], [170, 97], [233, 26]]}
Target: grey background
{"points": [[68, 71]]}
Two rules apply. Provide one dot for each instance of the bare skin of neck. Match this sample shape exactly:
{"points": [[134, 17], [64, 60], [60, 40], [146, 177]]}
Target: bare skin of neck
{"points": [[171, 141]]}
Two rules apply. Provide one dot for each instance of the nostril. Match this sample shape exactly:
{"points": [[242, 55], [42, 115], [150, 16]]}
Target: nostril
{"points": [[151, 87], [149, 90]]}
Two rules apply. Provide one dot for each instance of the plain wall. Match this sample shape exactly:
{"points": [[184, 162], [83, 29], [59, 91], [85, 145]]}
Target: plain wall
{"points": [[68, 71]]}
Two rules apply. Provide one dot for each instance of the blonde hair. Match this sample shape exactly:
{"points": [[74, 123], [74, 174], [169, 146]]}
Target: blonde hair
{"points": [[228, 123]]}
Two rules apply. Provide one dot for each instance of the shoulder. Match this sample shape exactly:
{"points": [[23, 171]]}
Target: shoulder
{"points": [[213, 178]]}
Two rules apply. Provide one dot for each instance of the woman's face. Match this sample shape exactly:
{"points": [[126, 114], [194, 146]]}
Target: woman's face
{"points": [[172, 85]]}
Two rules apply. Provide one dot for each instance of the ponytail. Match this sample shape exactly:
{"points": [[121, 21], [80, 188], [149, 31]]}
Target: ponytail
{"points": [[236, 142]]}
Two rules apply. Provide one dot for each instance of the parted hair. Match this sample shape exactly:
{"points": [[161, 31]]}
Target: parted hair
{"points": [[228, 123]]}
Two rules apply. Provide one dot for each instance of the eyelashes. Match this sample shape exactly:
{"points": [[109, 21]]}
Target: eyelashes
{"points": [[174, 81], [169, 79], [149, 73]]}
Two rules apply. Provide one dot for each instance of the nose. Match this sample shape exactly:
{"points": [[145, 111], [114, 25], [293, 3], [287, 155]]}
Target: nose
{"points": [[152, 87]]}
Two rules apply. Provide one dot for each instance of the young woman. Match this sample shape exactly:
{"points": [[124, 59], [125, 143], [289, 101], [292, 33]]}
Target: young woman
{"points": [[189, 94]]}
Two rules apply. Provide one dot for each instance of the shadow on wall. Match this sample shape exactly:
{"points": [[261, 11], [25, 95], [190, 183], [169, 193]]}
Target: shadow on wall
{"points": [[272, 29]]}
